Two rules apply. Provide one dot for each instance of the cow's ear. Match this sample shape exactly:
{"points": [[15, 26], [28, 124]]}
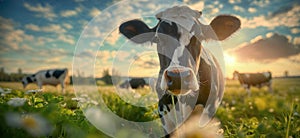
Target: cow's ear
{"points": [[131, 30], [225, 25]]}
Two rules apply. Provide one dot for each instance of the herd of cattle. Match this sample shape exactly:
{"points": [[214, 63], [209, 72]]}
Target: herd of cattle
{"points": [[187, 69], [55, 77]]}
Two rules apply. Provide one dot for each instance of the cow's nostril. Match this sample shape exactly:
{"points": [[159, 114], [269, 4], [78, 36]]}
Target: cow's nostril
{"points": [[170, 82]]}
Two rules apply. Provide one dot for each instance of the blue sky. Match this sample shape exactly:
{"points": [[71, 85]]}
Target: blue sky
{"points": [[43, 34]]}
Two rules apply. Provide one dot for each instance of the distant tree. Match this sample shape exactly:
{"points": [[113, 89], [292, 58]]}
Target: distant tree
{"points": [[19, 71], [106, 77], [116, 76], [286, 73]]}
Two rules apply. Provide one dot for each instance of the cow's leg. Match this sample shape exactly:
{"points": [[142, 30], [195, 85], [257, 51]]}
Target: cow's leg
{"points": [[40, 84], [247, 88], [62, 87], [270, 87]]}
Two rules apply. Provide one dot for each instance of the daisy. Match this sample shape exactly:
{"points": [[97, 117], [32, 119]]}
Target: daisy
{"points": [[34, 124], [34, 91], [16, 102]]}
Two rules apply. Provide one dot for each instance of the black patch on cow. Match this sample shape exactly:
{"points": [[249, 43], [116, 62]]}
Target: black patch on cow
{"points": [[29, 80], [169, 29], [137, 83], [33, 75], [58, 73], [47, 75]]}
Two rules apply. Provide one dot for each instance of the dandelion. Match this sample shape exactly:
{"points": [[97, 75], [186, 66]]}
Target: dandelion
{"points": [[34, 124], [16, 102], [34, 91]]}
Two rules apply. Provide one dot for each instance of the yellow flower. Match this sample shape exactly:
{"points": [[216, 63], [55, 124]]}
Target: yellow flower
{"points": [[34, 124]]}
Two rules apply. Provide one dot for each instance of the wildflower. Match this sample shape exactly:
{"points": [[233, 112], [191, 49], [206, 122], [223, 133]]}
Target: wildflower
{"points": [[137, 95], [16, 102], [220, 132], [271, 110], [82, 100], [4, 92], [33, 123], [33, 91]]}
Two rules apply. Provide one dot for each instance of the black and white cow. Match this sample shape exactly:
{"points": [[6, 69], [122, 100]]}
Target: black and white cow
{"points": [[52, 77], [189, 74], [254, 79], [134, 83]]}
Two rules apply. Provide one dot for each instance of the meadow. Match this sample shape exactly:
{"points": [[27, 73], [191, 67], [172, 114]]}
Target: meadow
{"points": [[51, 114]]}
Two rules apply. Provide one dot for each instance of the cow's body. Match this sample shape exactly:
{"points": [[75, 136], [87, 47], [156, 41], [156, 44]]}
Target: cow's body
{"points": [[137, 83], [254, 79], [134, 83], [52, 77], [189, 74]]}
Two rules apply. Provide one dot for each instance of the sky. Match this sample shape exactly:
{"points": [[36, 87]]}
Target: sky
{"points": [[82, 35]]}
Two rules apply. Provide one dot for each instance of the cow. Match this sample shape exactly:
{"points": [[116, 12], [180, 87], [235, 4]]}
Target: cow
{"points": [[189, 74], [254, 79], [52, 77], [134, 83]]}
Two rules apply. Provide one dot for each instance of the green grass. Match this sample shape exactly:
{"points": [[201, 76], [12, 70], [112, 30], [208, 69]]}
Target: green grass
{"points": [[257, 116]]}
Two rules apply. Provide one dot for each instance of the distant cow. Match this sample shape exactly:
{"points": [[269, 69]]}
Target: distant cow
{"points": [[52, 77], [254, 79], [134, 83], [189, 74]]}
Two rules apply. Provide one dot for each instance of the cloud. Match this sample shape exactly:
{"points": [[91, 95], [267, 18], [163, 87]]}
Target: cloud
{"points": [[52, 28], [66, 38], [197, 6], [264, 50], [234, 1], [288, 18], [295, 30], [68, 26], [251, 10], [238, 8], [42, 11], [297, 41], [261, 3], [68, 13], [11, 38], [94, 12]]}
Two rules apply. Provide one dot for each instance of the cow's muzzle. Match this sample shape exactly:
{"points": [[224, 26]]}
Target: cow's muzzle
{"points": [[179, 80]]}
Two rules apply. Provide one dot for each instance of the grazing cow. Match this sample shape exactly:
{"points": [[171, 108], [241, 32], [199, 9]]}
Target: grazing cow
{"points": [[254, 79], [134, 83], [47, 77], [189, 74], [137, 83]]}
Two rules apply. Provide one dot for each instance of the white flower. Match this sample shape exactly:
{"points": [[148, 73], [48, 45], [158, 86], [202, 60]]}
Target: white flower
{"points": [[81, 100], [16, 102], [137, 96], [33, 91], [34, 124], [4, 92]]}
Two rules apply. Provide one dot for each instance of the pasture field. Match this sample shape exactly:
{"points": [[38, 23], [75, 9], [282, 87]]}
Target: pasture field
{"points": [[51, 114]]}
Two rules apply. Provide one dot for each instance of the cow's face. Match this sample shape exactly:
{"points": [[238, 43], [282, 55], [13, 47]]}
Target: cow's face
{"points": [[235, 75], [178, 37], [27, 79]]}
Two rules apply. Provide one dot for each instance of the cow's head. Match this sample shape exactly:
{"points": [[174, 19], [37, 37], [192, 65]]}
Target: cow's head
{"points": [[235, 75], [28, 79], [178, 35]]}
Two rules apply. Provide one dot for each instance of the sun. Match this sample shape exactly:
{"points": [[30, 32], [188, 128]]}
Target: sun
{"points": [[229, 60]]}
